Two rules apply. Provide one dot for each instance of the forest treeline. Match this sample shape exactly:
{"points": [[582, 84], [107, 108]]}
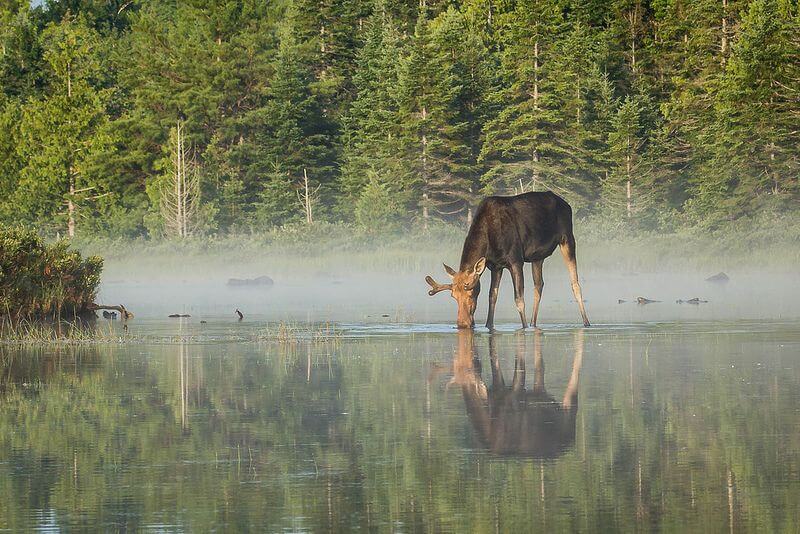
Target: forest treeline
{"points": [[125, 118]]}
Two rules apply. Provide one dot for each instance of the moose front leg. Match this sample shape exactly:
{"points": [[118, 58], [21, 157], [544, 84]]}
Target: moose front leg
{"points": [[497, 274], [519, 291]]}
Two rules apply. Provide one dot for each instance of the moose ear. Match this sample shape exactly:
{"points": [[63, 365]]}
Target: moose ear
{"points": [[480, 265], [449, 270]]}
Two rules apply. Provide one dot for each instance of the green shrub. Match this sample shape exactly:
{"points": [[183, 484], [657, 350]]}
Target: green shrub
{"points": [[39, 280]]}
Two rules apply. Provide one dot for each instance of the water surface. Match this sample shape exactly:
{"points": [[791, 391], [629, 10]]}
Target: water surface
{"points": [[679, 426]]}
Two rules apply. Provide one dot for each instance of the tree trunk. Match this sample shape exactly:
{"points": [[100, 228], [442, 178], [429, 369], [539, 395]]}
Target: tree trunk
{"points": [[535, 176], [775, 188], [307, 198], [724, 42], [633, 19], [71, 205], [628, 195], [536, 74], [425, 211], [70, 173], [180, 195], [628, 171], [628, 188]]}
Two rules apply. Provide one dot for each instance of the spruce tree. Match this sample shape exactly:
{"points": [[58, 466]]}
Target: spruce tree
{"points": [[757, 134], [290, 132], [61, 133], [554, 107], [372, 126], [434, 138]]}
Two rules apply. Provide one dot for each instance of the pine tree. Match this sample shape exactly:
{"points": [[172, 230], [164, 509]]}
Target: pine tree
{"points": [[757, 106], [434, 134], [460, 42], [372, 126], [625, 183], [555, 106], [277, 202], [582, 94], [290, 132], [21, 68], [692, 45], [62, 132]]}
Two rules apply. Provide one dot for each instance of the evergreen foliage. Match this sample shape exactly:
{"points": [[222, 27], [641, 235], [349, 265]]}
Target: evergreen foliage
{"points": [[686, 112]]}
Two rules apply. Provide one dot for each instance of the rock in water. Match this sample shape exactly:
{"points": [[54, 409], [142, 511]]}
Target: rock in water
{"points": [[719, 278], [695, 300], [249, 282]]}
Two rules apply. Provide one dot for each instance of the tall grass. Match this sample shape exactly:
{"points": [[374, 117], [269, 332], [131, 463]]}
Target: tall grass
{"points": [[60, 332]]}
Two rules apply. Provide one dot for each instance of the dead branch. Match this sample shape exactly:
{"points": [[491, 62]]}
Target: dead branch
{"points": [[125, 314]]}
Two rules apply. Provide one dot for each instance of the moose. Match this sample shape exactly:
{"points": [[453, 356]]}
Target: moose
{"points": [[512, 419], [506, 233]]}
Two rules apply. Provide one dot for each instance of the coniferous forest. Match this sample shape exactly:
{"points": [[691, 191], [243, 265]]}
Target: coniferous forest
{"points": [[126, 118]]}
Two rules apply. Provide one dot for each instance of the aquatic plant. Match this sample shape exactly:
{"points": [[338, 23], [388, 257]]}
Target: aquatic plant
{"points": [[287, 333]]}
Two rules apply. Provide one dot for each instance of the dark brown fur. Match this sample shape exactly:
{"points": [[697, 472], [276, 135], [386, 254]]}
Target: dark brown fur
{"points": [[506, 233], [510, 419]]}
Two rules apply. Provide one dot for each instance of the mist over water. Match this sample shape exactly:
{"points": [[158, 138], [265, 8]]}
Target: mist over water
{"points": [[328, 291]]}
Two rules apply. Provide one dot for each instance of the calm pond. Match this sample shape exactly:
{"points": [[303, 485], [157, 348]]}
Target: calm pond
{"points": [[677, 426]]}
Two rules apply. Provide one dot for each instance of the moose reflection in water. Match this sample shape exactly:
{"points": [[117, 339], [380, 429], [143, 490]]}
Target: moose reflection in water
{"points": [[510, 419]]}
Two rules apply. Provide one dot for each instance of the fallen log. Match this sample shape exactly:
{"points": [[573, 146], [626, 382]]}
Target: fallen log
{"points": [[695, 301], [123, 313]]}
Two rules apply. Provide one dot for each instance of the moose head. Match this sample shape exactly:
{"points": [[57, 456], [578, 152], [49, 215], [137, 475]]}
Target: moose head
{"points": [[465, 286]]}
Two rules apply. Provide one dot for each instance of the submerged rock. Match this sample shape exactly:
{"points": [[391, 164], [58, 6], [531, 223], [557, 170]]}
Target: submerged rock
{"points": [[248, 282], [719, 278]]}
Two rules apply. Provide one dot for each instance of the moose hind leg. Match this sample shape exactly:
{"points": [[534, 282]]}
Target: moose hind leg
{"points": [[568, 251], [538, 285], [519, 291]]}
